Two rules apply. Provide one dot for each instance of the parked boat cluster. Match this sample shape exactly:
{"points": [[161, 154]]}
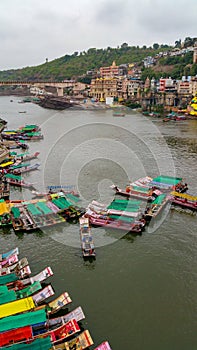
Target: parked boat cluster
{"points": [[144, 200], [27, 320]]}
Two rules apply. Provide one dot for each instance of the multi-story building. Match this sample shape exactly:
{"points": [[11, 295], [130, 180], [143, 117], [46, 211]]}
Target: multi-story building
{"points": [[112, 71], [183, 87], [166, 85], [134, 87], [101, 88], [193, 86]]}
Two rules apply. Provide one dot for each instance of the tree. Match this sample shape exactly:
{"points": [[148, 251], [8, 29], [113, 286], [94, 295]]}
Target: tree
{"points": [[124, 46], [178, 43], [155, 46]]}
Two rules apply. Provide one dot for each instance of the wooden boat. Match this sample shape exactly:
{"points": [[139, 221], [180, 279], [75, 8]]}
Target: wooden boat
{"points": [[156, 206], [167, 183], [87, 244], [118, 114], [30, 333], [12, 280], [76, 314], [117, 223], [104, 346], [4, 214], [81, 342], [14, 144], [121, 207], [131, 191], [30, 157], [40, 319], [40, 343], [59, 303], [29, 304], [15, 180], [16, 307], [38, 213], [13, 259], [4, 190], [21, 269], [41, 277], [120, 214], [26, 169], [23, 320], [7, 296], [184, 200], [5, 256]]}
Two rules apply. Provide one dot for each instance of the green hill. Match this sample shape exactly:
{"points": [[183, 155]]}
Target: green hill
{"points": [[77, 64]]}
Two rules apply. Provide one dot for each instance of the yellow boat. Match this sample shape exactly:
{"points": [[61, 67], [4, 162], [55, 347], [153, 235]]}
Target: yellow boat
{"points": [[3, 165], [16, 307]]}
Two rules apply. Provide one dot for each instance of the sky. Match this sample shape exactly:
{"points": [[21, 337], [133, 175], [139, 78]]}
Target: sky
{"points": [[33, 30]]}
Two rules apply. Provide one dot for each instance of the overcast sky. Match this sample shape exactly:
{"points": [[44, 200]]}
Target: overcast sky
{"points": [[33, 30]]}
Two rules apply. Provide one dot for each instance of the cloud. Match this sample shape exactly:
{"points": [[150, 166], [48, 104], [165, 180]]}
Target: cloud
{"points": [[32, 30], [112, 13]]}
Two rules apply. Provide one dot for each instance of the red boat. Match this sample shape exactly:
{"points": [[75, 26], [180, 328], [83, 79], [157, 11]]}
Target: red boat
{"points": [[25, 334], [184, 200]]}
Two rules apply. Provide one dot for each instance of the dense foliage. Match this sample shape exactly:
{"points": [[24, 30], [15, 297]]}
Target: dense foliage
{"points": [[78, 64]]}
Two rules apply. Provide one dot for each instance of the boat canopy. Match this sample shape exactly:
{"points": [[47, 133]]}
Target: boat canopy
{"points": [[5, 279], [184, 196], [72, 197], [6, 164], [22, 320], [15, 336], [14, 177], [61, 203], [26, 292], [3, 290], [3, 207], [16, 212], [40, 343], [16, 307], [43, 207], [169, 180], [7, 297], [140, 189], [22, 165], [159, 200], [122, 218], [33, 209], [122, 205]]}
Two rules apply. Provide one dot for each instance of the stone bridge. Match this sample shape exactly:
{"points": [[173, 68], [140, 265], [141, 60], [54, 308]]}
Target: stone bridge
{"points": [[41, 84]]}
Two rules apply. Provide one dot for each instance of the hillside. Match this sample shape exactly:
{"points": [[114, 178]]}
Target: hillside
{"points": [[77, 64]]}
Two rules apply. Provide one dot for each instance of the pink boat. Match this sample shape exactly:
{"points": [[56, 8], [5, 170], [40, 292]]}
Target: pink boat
{"points": [[117, 224], [104, 346]]}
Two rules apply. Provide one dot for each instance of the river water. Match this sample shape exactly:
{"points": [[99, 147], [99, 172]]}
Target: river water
{"points": [[140, 293]]}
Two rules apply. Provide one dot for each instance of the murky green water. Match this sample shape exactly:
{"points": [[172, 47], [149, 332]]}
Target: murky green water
{"points": [[140, 293]]}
